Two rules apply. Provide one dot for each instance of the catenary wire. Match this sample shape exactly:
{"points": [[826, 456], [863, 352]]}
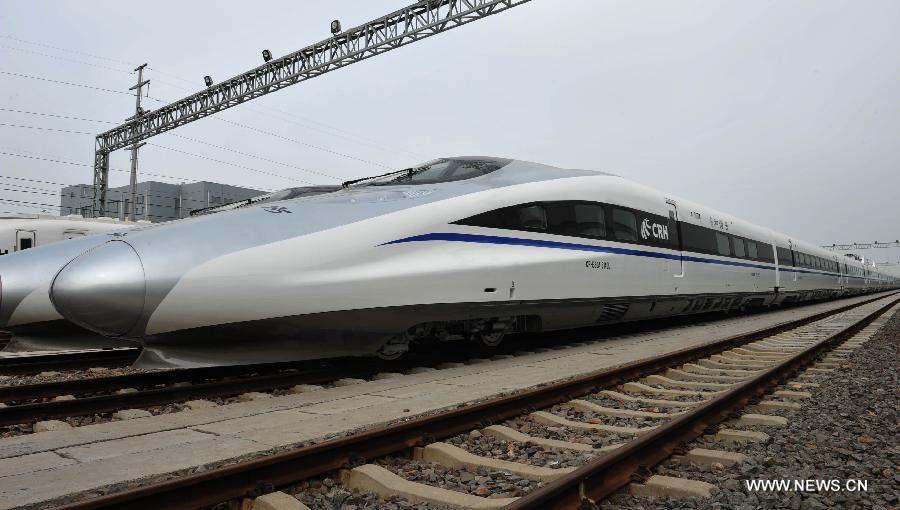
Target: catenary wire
{"points": [[360, 138], [239, 124], [191, 139], [64, 59], [73, 163]]}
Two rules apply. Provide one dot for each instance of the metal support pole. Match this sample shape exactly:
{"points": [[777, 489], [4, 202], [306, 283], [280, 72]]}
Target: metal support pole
{"points": [[101, 182], [138, 112], [134, 169]]}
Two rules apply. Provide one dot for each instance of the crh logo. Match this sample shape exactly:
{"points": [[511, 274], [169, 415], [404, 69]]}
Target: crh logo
{"points": [[277, 209], [658, 231]]}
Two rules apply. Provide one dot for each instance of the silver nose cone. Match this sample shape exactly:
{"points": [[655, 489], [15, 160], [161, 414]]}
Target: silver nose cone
{"points": [[102, 290]]}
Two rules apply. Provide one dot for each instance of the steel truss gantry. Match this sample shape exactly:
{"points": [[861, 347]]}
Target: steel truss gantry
{"points": [[410, 24]]}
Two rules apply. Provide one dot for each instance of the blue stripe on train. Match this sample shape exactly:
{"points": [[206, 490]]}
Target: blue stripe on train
{"points": [[518, 241]]}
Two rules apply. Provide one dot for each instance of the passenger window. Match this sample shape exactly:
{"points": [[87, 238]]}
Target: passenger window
{"points": [[697, 238], [752, 252], [531, 217], [25, 243], [722, 245], [624, 225], [590, 220], [577, 219], [738, 247]]}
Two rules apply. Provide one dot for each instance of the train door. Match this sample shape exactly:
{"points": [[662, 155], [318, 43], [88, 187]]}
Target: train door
{"points": [[794, 273], [676, 267], [837, 268], [25, 239]]}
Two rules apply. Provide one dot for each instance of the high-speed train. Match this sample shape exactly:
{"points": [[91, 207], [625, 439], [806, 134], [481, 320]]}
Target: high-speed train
{"points": [[22, 238], [26, 274], [457, 248], [25, 231]]}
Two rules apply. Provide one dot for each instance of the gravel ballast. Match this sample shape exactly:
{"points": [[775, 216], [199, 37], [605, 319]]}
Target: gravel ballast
{"points": [[847, 431]]}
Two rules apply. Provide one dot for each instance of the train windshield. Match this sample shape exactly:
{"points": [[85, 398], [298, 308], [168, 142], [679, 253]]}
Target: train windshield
{"points": [[437, 171]]}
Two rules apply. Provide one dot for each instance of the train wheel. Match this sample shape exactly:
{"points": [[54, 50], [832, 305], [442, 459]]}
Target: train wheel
{"points": [[491, 338], [393, 348]]}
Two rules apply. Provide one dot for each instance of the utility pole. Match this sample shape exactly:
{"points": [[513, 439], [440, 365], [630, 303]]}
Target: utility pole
{"points": [[138, 113]]}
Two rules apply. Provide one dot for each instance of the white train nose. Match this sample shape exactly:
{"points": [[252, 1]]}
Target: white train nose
{"points": [[102, 290]]}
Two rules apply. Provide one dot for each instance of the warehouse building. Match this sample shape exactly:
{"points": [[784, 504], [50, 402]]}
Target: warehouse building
{"points": [[156, 201]]}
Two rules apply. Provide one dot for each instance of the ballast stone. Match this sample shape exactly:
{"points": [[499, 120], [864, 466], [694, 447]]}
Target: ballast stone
{"points": [[373, 478], [455, 457]]}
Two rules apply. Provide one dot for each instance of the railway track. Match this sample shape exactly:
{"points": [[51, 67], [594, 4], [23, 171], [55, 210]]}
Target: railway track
{"points": [[90, 396], [688, 392], [31, 362]]}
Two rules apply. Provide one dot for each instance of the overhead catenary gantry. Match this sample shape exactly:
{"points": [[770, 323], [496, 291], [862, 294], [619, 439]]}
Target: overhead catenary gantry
{"points": [[399, 28]]}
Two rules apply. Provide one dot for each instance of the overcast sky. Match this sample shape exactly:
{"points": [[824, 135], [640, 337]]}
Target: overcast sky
{"points": [[786, 114]]}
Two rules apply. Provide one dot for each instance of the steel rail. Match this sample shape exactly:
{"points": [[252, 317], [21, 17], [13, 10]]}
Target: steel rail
{"points": [[251, 378], [264, 376], [599, 479], [20, 365], [244, 479], [27, 392], [240, 379]]}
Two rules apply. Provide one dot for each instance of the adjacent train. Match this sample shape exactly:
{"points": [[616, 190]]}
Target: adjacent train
{"points": [[25, 231], [26, 273], [22, 238], [458, 248]]}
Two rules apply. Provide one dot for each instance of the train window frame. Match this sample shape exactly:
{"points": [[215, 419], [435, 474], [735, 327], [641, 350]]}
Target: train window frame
{"points": [[752, 250], [558, 207], [739, 253], [615, 229], [603, 223], [697, 238], [537, 206], [499, 218], [720, 237], [785, 256]]}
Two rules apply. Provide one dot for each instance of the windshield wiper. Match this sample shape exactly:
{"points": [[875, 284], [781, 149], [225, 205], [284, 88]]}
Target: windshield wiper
{"points": [[361, 179]]}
